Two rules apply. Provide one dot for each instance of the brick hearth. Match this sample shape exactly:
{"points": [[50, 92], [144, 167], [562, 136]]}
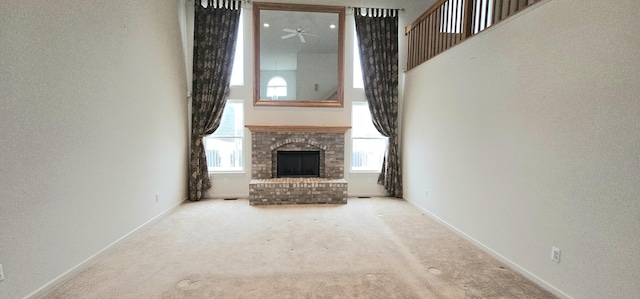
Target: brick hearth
{"points": [[281, 191]]}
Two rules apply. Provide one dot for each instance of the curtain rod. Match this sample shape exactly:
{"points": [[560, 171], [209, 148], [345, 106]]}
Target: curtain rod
{"points": [[233, 4], [354, 7], [377, 12], [243, 1]]}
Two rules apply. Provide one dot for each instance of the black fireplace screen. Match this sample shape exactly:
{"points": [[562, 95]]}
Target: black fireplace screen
{"points": [[298, 164]]}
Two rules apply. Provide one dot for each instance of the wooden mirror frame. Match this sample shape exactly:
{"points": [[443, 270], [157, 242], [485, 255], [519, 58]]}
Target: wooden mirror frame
{"points": [[340, 10]]}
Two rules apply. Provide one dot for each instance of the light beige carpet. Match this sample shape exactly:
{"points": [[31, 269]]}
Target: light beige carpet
{"points": [[369, 248]]}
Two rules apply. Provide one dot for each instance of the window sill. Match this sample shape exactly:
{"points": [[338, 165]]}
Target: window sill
{"points": [[225, 172], [364, 171]]}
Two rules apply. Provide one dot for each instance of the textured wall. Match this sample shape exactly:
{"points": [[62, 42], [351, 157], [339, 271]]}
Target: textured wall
{"points": [[94, 125]]}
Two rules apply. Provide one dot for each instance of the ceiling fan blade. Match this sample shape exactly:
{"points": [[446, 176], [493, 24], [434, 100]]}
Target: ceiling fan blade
{"points": [[310, 34], [301, 38], [289, 30], [289, 35]]}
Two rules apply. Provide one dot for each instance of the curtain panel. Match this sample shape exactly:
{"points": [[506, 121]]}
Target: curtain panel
{"points": [[215, 31], [377, 33]]}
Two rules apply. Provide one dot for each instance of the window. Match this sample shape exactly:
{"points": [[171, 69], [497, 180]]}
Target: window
{"points": [[368, 146], [357, 68], [277, 87], [224, 147], [237, 73]]}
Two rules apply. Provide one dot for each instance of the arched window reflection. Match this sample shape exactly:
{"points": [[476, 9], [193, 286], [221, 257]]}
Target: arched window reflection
{"points": [[277, 87]]}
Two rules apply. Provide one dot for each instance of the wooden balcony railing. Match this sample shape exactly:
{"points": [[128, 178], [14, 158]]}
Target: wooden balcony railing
{"points": [[449, 22]]}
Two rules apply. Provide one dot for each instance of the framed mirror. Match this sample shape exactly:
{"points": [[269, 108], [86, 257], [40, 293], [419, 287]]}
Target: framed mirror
{"points": [[299, 55]]}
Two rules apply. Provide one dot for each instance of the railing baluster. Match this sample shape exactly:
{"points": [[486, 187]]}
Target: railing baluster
{"points": [[410, 53], [454, 19], [416, 44], [432, 37], [475, 17], [436, 33], [466, 21], [422, 44], [452, 23], [437, 41], [409, 35], [427, 41], [445, 17], [442, 29], [486, 14], [417, 41], [479, 17], [410, 57]]}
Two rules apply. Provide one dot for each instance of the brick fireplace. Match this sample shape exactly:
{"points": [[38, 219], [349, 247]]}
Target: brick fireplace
{"points": [[327, 186]]}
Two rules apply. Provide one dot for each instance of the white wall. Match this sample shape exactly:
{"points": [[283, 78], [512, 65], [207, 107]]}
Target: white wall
{"points": [[237, 184], [93, 118], [527, 136]]}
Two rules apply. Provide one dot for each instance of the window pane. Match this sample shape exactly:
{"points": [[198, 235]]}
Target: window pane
{"points": [[368, 154], [362, 125], [224, 153], [237, 73], [357, 68], [223, 148], [232, 123], [368, 145]]}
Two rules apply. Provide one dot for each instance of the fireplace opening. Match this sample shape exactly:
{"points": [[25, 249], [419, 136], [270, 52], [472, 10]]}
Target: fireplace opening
{"points": [[298, 164]]}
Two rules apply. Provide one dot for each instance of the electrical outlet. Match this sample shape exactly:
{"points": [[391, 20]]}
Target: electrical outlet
{"points": [[555, 254], [157, 197], [1, 273]]}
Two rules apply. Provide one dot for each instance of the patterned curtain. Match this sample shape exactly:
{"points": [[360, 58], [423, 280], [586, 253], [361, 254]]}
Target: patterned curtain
{"points": [[215, 31], [377, 32]]}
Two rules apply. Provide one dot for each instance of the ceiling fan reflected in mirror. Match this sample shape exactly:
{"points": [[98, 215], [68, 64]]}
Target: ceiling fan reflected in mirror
{"points": [[299, 32]]}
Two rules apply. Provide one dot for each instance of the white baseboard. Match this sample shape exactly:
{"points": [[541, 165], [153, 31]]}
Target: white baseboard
{"points": [[549, 287], [367, 195], [87, 262]]}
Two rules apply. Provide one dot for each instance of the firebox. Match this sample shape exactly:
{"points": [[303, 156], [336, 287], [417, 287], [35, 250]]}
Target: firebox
{"points": [[298, 164]]}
